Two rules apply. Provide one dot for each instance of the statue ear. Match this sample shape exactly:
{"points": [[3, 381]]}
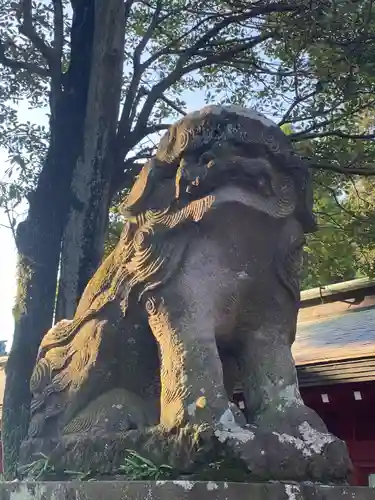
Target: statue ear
{"points": [[154, 189], [134, 201], [162, 195]]}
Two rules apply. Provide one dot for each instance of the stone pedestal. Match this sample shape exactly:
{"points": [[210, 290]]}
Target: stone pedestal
{"points": [[179, 490]]}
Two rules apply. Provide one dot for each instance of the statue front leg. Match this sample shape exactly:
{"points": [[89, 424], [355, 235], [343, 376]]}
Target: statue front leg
{"points": [[192, 388], [276, 409], [269, 376]]}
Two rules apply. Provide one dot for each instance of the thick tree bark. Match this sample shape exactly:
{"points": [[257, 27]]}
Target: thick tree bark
{"points": [[84, 236], [39, 237]]}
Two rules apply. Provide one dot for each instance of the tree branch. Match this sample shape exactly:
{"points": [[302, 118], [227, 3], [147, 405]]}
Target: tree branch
{"points": [[237, 18], [158, 127], [131, 167], [211, 33], [169, 49], [124, 125], [28, 30], [335, 133], [149, 32], [221, 57], [344, 209], [180, 69], [301, 135], [354, 186], [295, 103], [366, 172], [158, 89], [21, 65], [124, 177], [173, 105], [321, 114], [259, 68]]}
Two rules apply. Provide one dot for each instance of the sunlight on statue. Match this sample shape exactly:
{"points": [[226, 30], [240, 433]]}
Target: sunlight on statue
{"points": [[200, 294]]}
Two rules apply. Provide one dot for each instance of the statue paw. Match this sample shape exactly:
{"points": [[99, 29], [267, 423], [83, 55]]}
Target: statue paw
{"points": [[334, 463], [292, 446], [117, 410]]}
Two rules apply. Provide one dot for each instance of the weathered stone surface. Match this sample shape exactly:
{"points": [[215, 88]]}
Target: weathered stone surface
{"points": [[179, 490], [202, 290]]}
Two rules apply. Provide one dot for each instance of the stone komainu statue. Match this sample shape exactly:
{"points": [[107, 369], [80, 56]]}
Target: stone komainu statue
{"points": [[201, 292]]}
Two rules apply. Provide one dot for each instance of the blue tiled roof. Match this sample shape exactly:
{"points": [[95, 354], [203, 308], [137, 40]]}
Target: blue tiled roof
{"points": [[346, 336]]}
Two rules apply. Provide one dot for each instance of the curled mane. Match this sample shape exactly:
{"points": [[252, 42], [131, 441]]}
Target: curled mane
{"points": [[149, 251]]}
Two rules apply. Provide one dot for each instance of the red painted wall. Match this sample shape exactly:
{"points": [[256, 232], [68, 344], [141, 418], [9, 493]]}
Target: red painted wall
{"points": [[351, 420]]}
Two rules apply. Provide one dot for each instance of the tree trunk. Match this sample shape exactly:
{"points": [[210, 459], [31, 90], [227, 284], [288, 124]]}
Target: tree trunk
{"points": [[39, 236], [84, 236]]}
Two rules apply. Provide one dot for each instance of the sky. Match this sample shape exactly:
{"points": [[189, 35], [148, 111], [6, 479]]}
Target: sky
{"points": [[8, 261]]}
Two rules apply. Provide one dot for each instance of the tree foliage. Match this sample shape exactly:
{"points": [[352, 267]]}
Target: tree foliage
{"points": [[112, 74], [343, 248], [253, 53]]}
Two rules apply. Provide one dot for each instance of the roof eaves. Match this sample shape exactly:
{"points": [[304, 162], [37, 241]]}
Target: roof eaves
{"points": [[337, 288]]}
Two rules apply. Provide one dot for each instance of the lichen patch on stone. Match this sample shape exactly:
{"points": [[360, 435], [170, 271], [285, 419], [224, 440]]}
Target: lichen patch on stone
{"points": [[231, 430], [290, 395], [296, 442], [227, 419], [312, 441], [242, 275], [292, 491], [315, 439], [24, 492], [212, 486], [186, 485], [238, 434], [191, 409]]}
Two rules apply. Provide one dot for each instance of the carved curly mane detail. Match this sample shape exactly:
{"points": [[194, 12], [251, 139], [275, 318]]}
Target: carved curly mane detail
{"points": [[146, 256]]}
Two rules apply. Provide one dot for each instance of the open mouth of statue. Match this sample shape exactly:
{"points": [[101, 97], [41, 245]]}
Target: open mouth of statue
{"points": [[259, 182]]}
